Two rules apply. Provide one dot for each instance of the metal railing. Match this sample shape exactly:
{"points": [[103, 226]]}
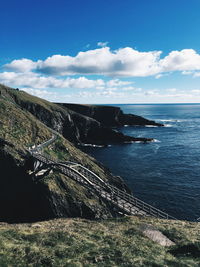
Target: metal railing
{"points": [[119, 198], [129, 199], [124, 201]]}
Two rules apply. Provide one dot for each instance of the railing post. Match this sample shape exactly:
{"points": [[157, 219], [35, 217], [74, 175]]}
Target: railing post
{"points": [[130, 210]]}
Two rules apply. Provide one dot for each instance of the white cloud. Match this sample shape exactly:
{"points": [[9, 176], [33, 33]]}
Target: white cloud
{"points": [[106, 93], [172, 90], [122, 62], [196, 74], [186, 72], [102, 44], [115, 95], [152, 93], [184, 60], [195, 91], [117, 83], [160, 75], [42, 93], [34, 80], [21, 65], [37, 76], [131, 88], [103, 61]]}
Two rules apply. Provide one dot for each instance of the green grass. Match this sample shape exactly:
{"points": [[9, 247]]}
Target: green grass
{"points": [[20, 127], [19, 96], [76, 242], [58, 150]]}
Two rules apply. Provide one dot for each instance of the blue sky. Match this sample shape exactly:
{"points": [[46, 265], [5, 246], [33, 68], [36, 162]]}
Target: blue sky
{"points": [[132, 51]]}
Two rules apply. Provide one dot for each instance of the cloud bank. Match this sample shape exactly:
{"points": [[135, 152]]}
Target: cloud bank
{"points": [[124, 62], [34, 80], [77, 74]]}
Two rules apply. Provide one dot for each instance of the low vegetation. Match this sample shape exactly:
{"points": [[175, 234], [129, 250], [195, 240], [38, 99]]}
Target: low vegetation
{"points": [[116, 242], [19, 127]]}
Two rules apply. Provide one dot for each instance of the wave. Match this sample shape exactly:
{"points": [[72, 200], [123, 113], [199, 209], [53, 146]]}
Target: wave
{"points": [[171, 120], [156, 149], [92, 145], [168, 120], [133, 142], [150, 126], [156, 141], [138, 142]]}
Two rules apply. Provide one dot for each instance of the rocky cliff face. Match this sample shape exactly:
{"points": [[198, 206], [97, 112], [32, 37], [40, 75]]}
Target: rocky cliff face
{"points": [[109, 116]]}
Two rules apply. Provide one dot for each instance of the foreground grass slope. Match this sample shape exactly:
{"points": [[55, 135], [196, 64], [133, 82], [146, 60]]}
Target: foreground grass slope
{"points": [[116, 242]]}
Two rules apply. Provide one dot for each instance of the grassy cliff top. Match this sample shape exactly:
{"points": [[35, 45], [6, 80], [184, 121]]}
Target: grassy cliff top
{"points": [[16, 95], [116, 242]]}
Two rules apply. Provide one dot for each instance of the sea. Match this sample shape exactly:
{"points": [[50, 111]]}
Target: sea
{"points": [[164, 173]]}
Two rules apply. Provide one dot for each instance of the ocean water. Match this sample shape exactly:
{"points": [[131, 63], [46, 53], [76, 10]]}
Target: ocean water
{"points": [[165, 173]]}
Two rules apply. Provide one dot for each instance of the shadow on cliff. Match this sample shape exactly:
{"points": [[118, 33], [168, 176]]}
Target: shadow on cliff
{"points": [[21, 200]]}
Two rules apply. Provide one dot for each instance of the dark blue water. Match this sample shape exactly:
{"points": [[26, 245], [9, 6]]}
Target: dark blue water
{"points": [[165, 173]]}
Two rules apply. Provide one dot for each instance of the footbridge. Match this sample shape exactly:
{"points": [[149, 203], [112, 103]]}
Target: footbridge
{"points": [[121, 200]]}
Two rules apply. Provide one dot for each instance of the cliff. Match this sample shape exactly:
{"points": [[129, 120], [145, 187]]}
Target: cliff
{"points": [[24, 197], [74, 126], [109, 116]]}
